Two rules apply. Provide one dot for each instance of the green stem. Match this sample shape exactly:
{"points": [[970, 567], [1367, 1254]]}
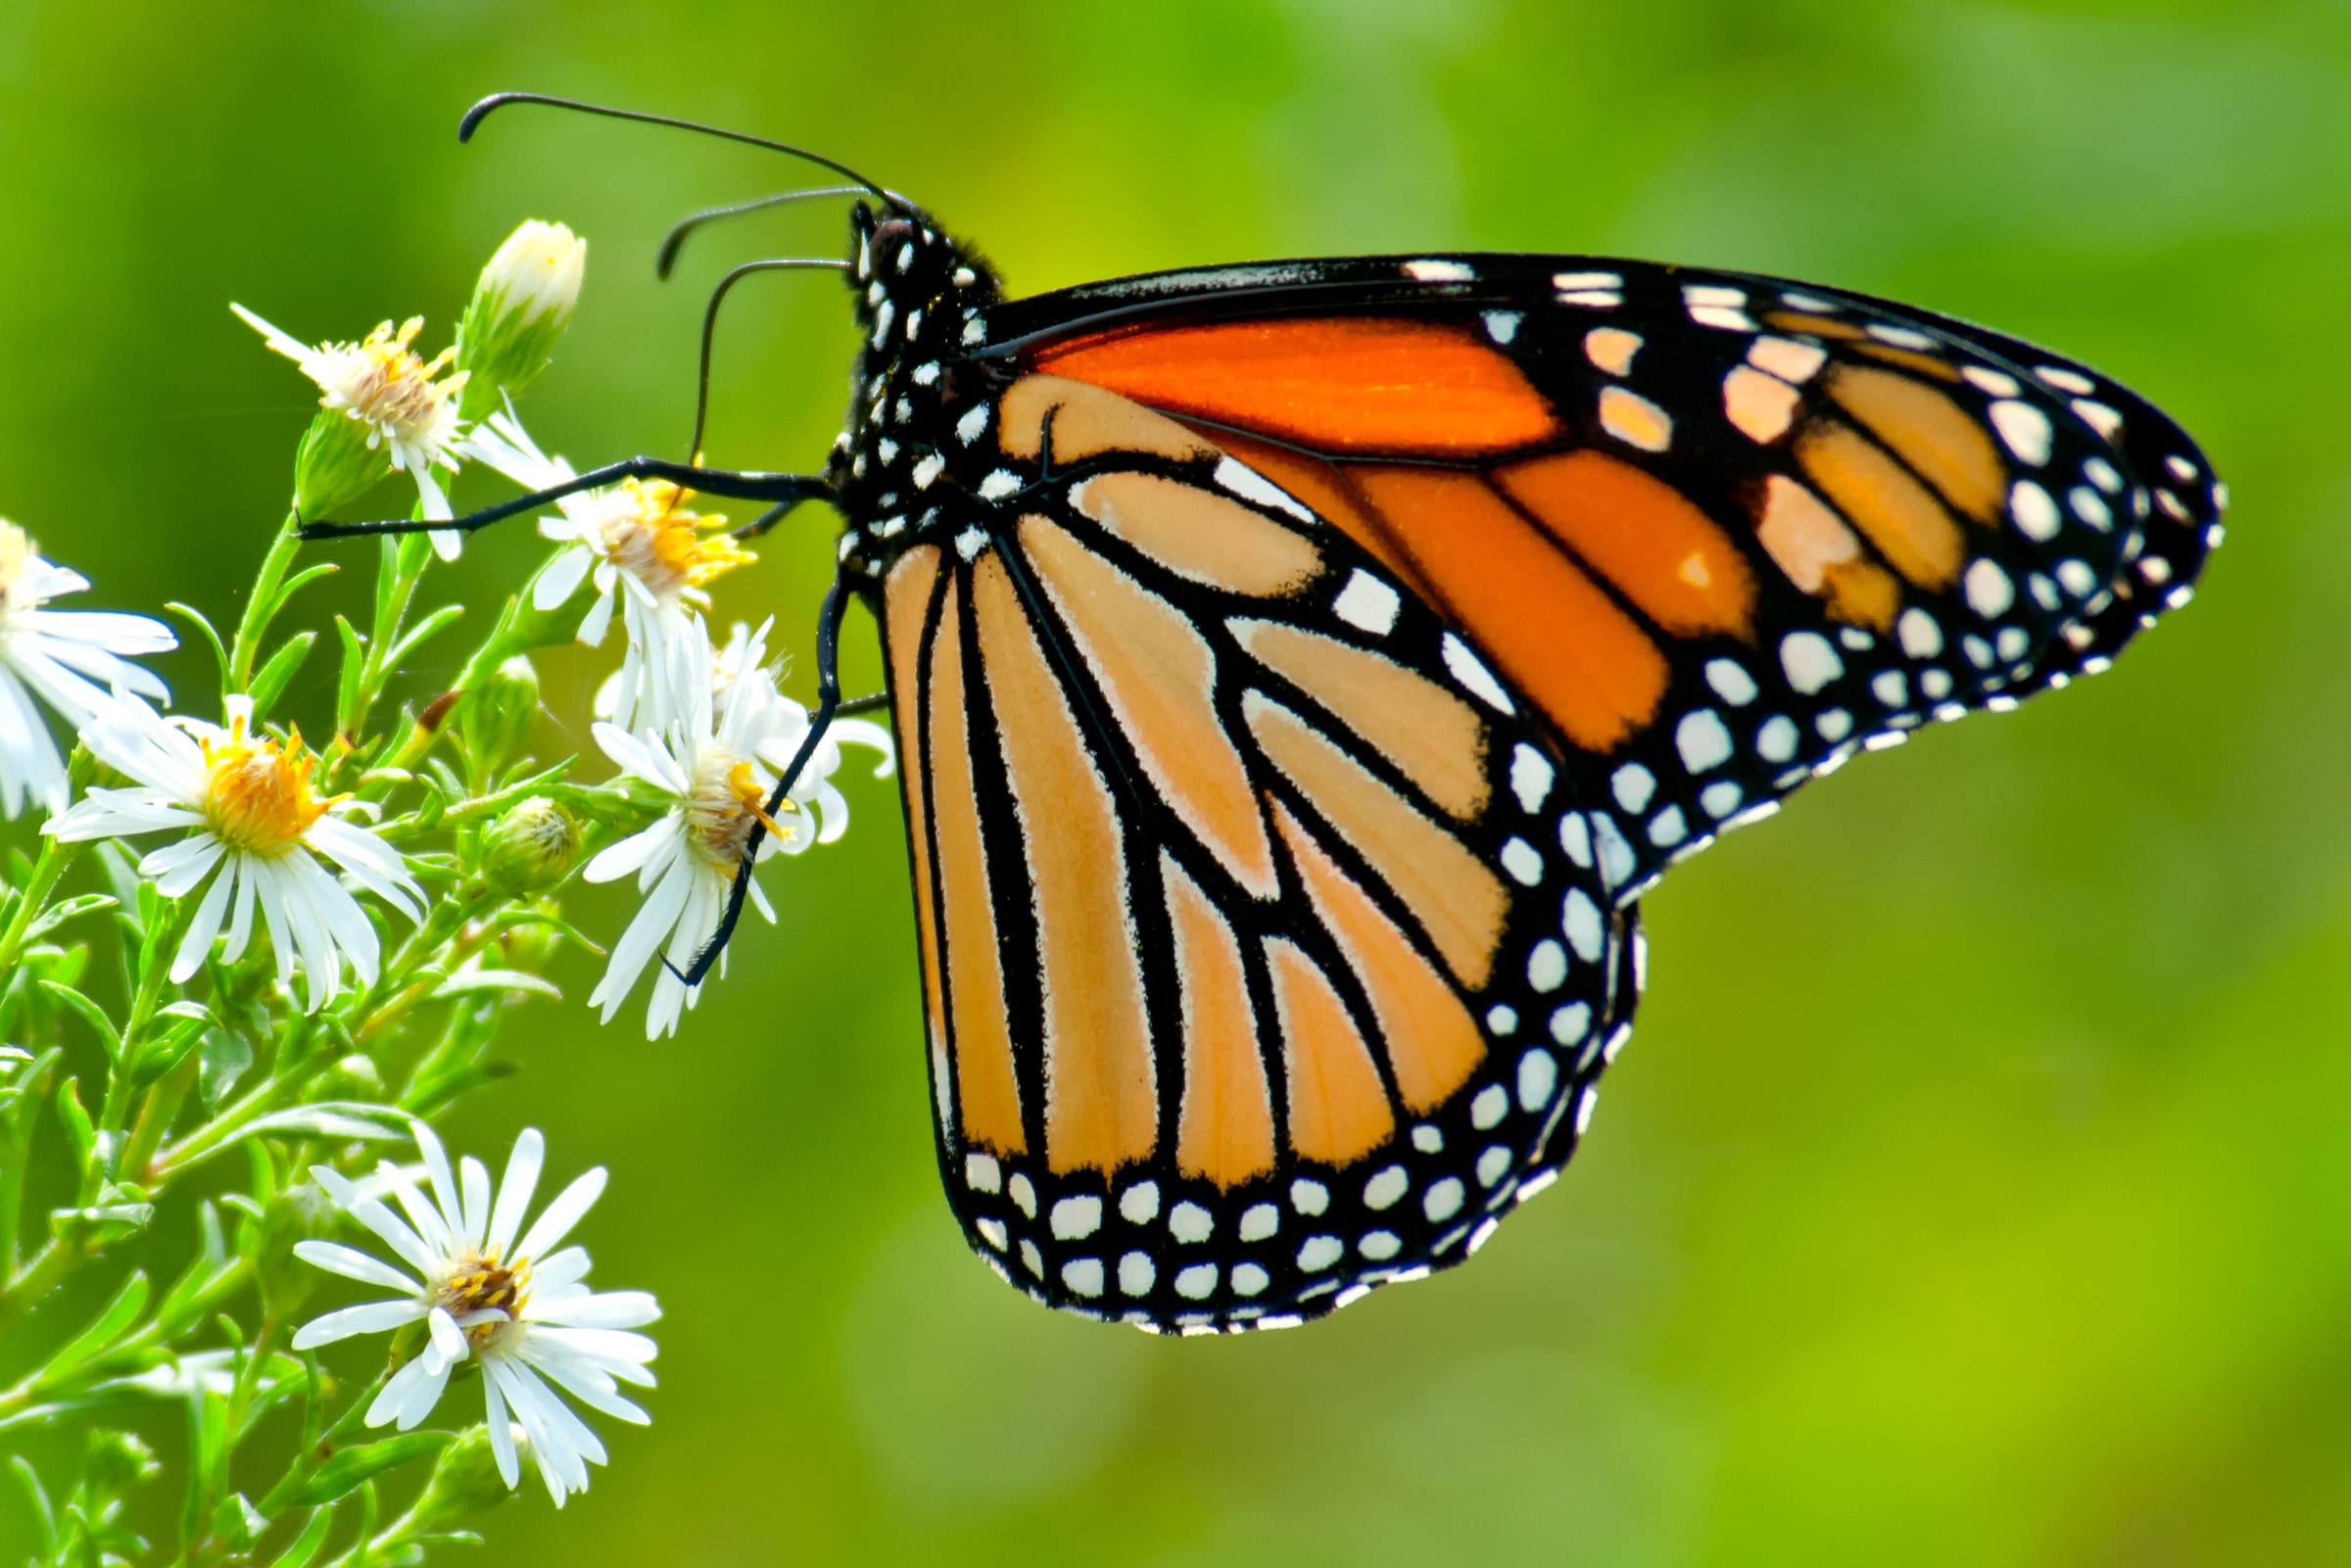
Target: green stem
{"points": [[56, 856], [262, 605], [156, 1116], [306, 1462]]}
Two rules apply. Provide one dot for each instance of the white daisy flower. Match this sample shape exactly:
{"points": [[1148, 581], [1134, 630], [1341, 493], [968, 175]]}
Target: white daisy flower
{"points": [[717, 764], [489, 1291], [68, 658], [645, 553], [406, 405], [248, 799]]}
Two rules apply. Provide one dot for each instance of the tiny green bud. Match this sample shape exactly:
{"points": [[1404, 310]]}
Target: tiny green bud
{"points": [[519, 308], [112, 1462], [336, 464], [465, 1481], [531, 846], [495, 716]]}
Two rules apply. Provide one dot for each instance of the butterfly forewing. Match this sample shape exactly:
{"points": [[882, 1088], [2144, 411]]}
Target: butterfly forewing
{"points": [[1718, 531]]}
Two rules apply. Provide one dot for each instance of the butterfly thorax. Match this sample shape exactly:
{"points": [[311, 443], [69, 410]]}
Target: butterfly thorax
{"points": [[918, 402]]}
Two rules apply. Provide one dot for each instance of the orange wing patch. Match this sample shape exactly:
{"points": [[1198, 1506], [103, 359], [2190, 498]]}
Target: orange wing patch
{"points": [[1433, 736], [1198, 534], [1086, 422], [983, 1070], [1161, 679], [906, 599], [1224, 1131], [1899, 514], [1101, 1110], [1434, 1043], [1928, 431], [1341, 384], [1338, 1109], [1557, 637], [1814, 550], [1459, 902], [1642, 535]]}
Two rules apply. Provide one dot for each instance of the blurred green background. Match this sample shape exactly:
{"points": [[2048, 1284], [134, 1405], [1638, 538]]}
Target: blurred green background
{"points": [[1977, 1188]]}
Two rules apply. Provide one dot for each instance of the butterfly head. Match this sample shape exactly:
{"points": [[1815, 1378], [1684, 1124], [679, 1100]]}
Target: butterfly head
{"points": [[919, 295]]}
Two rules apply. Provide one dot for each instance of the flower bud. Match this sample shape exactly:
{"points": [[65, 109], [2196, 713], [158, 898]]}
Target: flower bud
{"points": [[465, 1481], [112, 1462], [497, 712], [337, 463], [531, 846], [519, 308]]}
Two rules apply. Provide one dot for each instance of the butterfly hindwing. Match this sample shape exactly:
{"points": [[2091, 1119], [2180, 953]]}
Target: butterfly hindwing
{"points": [[1257, 972]]}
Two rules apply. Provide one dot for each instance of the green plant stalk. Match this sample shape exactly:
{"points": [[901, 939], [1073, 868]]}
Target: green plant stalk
{"points": [[254, 625], [313, 1455], [56, 856]]}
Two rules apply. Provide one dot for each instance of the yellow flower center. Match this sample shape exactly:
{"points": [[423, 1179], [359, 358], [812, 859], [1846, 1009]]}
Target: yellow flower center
{"points": [[728, 798], [257, 795], [386, 384], [480, 1280], [664, 547]]}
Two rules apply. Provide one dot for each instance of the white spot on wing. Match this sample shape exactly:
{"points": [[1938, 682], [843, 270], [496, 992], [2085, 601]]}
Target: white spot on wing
{"points": [[1082, 1276], [1475, 676], [1250, 484], [926, 472], [1633, 784], [1546, 966], [1989, 592], [999, 484], [2023, 429], [1580, 919], [969, 428], [1811, 662], [1703, 740], [1076, 1219], [1635, 420], [1531, 776], [1503, 325], [1367, 603], [1440, 271], [2034, 512], [982, 1174], [1731, 683], [1569, 281], [1523, 861], [1611, 349], [1791, 361]]}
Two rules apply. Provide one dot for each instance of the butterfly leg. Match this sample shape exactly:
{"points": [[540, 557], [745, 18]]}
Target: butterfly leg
{"points": [[828, 705], [787, 490]]}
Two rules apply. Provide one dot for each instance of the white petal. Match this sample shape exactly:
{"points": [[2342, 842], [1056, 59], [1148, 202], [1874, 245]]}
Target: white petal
{"points": [[449, 1343], [515, 1193], [197, 945], [473, 1181], [502, 1435], [352, 1263], [560, 579], [626, 1309], [375, 1318], [445, 1184], [564, 1212]]}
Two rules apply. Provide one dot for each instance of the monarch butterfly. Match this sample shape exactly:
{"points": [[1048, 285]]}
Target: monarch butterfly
{"points": [[1302, 669]]}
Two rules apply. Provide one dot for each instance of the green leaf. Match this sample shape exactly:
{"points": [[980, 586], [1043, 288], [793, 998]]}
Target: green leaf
{"points": [[227, 1056], [300, 580], [91, 1014], [110, 1325], [195, 617], [352, 1468], [306, 1545], [44, 1515], [283, 666], [431, 626], [57, 915], [465, 981], [79, 1130], [347, 685]]}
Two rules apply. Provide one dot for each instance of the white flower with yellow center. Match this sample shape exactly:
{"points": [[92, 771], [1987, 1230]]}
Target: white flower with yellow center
{"points": [[68, 658], [492, 1292], [716, 763], [647, 555], [406, 405], [248, 799]]}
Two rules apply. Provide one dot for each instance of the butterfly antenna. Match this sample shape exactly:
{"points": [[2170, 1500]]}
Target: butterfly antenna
{"points": [[718, 294], [496, 101], [675, 240]]}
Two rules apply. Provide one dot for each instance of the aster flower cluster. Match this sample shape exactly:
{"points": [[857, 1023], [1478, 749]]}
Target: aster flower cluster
{"points": [[252, 967]]}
